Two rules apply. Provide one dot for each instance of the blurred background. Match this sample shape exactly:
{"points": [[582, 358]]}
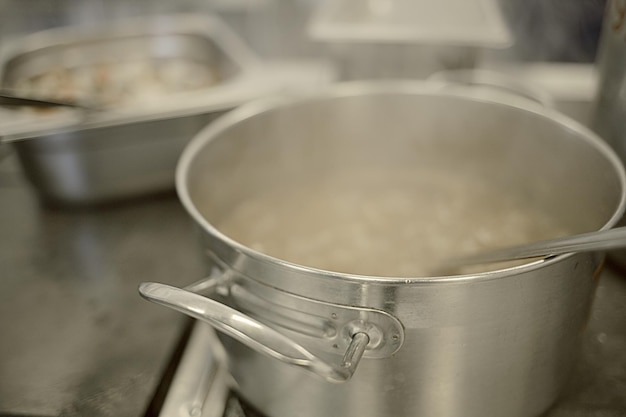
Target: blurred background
{"points": [[544, 30], [374, 38]]}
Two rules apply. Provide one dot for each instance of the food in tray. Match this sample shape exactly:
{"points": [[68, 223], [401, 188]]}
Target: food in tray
{"points": [[120, 83]]}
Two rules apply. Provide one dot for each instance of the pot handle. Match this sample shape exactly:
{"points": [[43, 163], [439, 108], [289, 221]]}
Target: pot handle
{"points": [[255, 334]]}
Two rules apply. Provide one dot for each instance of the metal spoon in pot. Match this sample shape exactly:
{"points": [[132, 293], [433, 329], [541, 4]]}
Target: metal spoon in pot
{"points": [[597, 241]]}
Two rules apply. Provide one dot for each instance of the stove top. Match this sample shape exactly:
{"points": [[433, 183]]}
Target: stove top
{"points": [[237, 408], [201, 385]]}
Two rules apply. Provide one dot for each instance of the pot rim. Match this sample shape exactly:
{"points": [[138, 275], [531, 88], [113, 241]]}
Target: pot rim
{"points": [[403, 87]]}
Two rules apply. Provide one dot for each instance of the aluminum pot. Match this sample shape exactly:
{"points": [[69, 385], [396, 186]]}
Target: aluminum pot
{"points": [[498, 343]]}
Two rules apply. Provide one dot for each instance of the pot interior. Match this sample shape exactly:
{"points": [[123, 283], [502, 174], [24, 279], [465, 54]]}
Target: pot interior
{"points": [[492, 159]]}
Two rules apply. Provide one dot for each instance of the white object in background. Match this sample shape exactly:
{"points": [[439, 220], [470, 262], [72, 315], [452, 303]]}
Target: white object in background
{"points": [[571, 86], [452, 22]]}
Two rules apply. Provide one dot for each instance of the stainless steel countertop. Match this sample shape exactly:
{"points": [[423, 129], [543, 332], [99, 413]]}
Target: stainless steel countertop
{"points": [[597, 386], [75, 337]]}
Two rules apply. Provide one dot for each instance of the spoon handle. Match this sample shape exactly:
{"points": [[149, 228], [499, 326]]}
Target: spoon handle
{"points": [[586, 242], [8, 99]]}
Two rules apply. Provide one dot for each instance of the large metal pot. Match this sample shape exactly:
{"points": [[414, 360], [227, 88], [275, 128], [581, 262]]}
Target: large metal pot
{"points": [[495, 344]]}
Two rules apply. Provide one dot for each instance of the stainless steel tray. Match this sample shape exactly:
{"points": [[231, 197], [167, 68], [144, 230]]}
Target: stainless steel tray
{"points": [[128, 148]]}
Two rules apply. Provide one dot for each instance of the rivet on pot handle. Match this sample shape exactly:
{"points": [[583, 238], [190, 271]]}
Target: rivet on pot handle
{"points": [[255, 334]]}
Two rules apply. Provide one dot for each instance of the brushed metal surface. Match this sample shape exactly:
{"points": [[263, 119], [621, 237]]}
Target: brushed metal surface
{"points": [[76, 340], [94, 165]]}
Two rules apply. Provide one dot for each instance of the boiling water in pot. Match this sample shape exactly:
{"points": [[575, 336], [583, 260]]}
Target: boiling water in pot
{"points": [[385, 225]]}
